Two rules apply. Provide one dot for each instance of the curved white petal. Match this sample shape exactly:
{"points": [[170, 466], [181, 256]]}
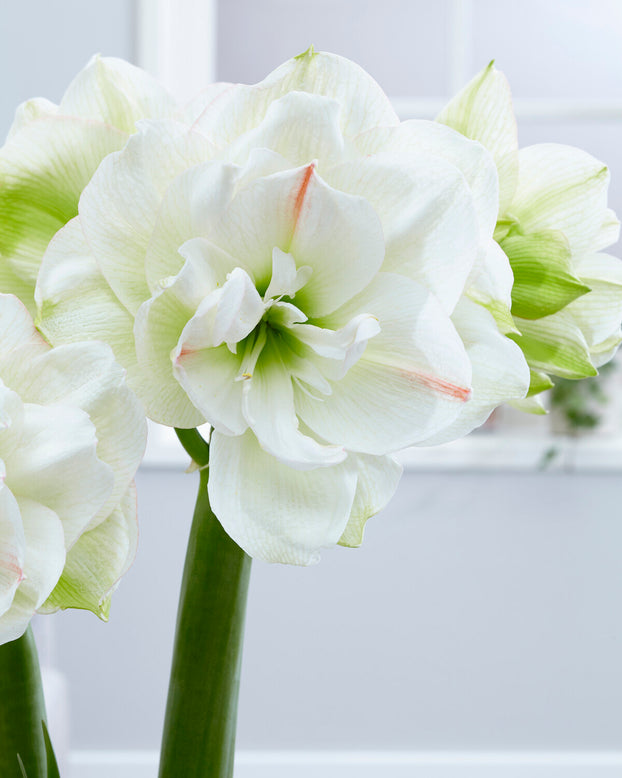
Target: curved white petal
{"points": [[117, 93], [30, 111], [337, 235], [340, 238], [483, 111], [609, 232], [191, 204], [210, 379], [225, 315], [268, 407], [75, 302], [272, 511], [16, 327], [433, 142], [411, 381], [427, 214], [43, 169], [85, 376], [238, 109], [377, 481], [96, 562], [491, 285], [157, 328], [299, 126], [119, 208], [206, 98], [12, 548], [500, 372], [599, 312], [561, 188], [58, 448], [45, 557]]}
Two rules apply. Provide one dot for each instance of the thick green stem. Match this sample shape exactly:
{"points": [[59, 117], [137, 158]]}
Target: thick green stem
{"points": [[22, 709], [201, 713]]}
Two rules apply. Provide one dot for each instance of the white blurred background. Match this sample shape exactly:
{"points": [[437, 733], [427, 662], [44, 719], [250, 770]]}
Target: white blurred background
{"points": [[479, 629]]}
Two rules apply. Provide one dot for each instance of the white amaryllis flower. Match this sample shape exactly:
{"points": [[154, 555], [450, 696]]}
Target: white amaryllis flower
{"points": [[53, 150], [553, 223], [314, 279], [71, 437]]}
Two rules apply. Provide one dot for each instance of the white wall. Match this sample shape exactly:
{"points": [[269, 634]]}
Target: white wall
{"points": [[44, 43], [481, 613]]}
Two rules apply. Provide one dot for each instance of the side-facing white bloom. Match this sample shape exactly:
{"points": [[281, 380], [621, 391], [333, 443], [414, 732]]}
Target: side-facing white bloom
{"points": [[553, 224], [71, 437], [316, 280], [53, 150]]}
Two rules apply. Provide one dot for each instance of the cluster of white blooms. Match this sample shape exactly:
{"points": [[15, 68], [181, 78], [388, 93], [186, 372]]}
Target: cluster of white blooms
{"points": [[322, 283], [553, 224]]}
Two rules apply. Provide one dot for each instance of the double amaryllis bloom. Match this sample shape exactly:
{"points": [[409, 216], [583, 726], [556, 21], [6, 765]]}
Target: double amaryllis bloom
{"points": [[316, 280], [321, 283], [553, 224], [71, 437]]}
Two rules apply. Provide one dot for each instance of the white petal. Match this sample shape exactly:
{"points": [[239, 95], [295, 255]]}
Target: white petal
{"points": [[210, 379], [483, 111], [97, 561], [227, 315], [238, 109], [561, 188], [337, 235], [57, 466], [491, 285], [427, 214], [45, 557], [599, 312], [118, 209], [500, 372], [437, 142], [30, 111], [378, 478], [43, 170], [191, 111], [268, 406], [191, 204], [85, 376], [117, 93], [340, 238], [12, 548], [17, 328], [158, 326], [410, 382], [273, 512], [344, 346], [609, 232], [300, 127], [75, 301], [286, 279]]}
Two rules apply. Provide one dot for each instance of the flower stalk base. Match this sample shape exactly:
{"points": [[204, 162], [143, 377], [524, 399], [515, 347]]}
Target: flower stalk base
{"points": [[201, 714], [22, 710]]}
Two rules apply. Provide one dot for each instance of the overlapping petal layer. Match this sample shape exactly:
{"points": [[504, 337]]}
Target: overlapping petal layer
{"points": [[553, 218], [71, 438], [52, 152]]}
